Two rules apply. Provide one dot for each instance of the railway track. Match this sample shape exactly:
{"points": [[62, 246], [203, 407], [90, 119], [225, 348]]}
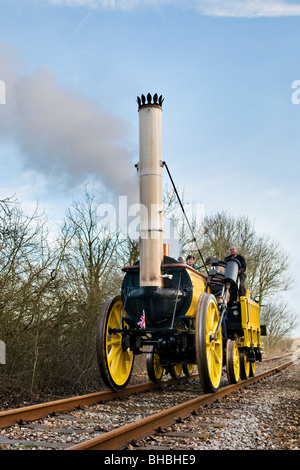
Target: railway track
{"points": [[104, 425]]}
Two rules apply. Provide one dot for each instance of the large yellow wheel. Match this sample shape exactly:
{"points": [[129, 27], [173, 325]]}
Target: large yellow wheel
{"points": [[244, 365], [209, 349], [232, 362], [114, 359], [154, 368]]}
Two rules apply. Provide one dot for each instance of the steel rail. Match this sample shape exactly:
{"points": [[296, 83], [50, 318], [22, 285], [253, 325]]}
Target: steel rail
{"points": [[33, 412], [266, 359], [119, 438]]}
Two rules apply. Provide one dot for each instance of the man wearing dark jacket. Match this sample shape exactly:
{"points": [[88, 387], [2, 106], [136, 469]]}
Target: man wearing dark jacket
{"points": [[234, 254]]}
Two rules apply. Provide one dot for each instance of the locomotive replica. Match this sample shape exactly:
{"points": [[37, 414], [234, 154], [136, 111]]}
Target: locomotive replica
{"points": [[179, 317]]}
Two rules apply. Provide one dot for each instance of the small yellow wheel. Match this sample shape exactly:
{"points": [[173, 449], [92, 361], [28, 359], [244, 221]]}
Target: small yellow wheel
{"points": [[154, 368], [209, 344], [114, 359], [232, 362], [188, 369], [175, 371], [244, 365]]}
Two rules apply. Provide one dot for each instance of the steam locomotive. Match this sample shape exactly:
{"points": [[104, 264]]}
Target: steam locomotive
{"points": [[179, 317]]}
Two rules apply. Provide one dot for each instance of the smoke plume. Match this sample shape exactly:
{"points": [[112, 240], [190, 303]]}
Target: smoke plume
{"points": [[60, 134]]}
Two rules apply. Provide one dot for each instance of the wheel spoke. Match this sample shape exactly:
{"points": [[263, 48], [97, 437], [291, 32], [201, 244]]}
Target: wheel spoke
{"points": [[114, 340], [217, 359], [112, 353]]}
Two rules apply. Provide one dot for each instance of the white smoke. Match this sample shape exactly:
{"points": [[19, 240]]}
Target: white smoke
{"points": [[62, 135]]}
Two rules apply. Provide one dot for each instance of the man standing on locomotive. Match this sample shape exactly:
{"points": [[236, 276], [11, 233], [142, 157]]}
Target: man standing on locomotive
{"points": [[234, 254]]}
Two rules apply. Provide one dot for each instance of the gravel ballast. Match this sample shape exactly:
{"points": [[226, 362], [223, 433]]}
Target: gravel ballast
{"points": [[263, 416]]}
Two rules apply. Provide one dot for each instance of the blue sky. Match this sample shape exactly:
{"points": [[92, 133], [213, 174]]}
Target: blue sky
{"points": [[231, 136]]}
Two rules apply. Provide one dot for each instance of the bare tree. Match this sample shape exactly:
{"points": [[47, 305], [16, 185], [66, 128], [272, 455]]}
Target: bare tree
{"points": [[128, 251], [279, 320], [28, 266], [91, 273], [92, 253], [267, 263], [190, 232]]}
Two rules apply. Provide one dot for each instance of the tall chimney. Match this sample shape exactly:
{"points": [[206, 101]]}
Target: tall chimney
{"points": [[150, 181]]}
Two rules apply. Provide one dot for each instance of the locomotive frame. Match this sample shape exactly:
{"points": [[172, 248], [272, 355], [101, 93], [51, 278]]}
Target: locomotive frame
{"points": [[169, 311]]}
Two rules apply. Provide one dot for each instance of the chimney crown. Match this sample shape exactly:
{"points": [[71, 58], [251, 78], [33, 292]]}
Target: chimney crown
{"points": [[143, 101]]}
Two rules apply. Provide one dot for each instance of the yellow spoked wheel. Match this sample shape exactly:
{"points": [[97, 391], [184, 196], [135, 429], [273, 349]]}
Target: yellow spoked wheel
{"points": [[209, 346], [114, 359], [175, 371], [188, 369], [244, 365], [232, 362], [154, 368], [252, 369]]}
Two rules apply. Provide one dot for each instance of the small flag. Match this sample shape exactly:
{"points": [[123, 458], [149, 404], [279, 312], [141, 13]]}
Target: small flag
{"points": [[142, 321]]}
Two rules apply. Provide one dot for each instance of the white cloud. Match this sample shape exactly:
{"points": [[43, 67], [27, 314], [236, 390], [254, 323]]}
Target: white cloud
{"points": [[110, 4], [222, 8], [247, 8], [273, 193]]}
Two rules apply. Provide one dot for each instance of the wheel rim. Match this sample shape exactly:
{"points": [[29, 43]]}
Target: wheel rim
{"points": [[175, 370], [236, 362], [188, 369], [115, 363], [154, 368], [158, 370], [252, 369], [213, 346], [119, 362], [244, 365], [209, 350], [232, 361]]}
